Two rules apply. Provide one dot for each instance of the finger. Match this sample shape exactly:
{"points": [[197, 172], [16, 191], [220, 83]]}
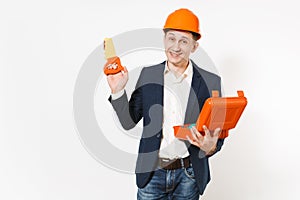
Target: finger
{"points": [[217, 132], [189, 139], [199, 136], [193, 134], [204, 128], [207, 132], [192, 141], [125, 69]]}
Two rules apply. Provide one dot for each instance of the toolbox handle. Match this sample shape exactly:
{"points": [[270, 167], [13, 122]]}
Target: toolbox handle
{"points": [[215, 93], [240, 93]]}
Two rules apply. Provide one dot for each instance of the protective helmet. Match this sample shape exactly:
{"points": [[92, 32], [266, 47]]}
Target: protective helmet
{"points": [[183, 19]]}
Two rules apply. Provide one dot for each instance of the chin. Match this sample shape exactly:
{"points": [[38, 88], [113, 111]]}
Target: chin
{"points": [[173, 60], [176, 61]]}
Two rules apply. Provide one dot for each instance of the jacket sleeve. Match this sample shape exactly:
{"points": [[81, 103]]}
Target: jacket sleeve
{"points": [[129, 112], [220, 142]]}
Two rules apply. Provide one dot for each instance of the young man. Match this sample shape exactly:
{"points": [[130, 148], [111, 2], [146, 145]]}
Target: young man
{"points": [[168, 94]]}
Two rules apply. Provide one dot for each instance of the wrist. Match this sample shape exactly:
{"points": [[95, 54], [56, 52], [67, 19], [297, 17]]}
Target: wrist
{"points": [[117, 90], [117, 94], [212, 150]]}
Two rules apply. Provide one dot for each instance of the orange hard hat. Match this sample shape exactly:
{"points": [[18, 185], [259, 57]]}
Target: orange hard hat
{"points": [[183, 19]]}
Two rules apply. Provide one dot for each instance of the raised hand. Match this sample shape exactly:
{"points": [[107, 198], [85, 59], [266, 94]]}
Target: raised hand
{"points": [[118, 81]]}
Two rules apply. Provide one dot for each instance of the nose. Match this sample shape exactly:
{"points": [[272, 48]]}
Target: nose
{"points": [[176, 47]]}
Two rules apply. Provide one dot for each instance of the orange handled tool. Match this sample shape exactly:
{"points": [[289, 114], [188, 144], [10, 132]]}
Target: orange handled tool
{"points": [[113, 64]]}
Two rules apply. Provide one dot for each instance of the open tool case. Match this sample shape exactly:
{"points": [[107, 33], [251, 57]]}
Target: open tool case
{"points": [[217, 112]]}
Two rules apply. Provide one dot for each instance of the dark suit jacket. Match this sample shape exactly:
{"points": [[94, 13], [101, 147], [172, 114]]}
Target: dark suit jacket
{"points": [[147, 102]]}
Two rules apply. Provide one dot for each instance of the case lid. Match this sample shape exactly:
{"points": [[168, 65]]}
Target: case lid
{"points": [[221, 112], [217, 112]]}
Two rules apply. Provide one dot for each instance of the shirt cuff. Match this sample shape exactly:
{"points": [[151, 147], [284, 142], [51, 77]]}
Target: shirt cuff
{"points": [[117, 95]]}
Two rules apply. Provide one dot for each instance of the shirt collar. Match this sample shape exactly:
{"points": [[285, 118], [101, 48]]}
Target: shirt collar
{"points": [[188, 71]]}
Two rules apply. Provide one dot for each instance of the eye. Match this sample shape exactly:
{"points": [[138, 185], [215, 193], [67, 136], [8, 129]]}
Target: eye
{"points": [[184, 42]]}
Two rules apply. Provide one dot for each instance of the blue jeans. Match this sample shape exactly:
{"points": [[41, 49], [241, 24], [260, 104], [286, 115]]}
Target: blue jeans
{"points": [[179, 184]]}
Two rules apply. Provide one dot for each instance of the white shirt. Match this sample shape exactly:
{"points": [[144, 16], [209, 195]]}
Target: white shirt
{"points": [[176, 94]]}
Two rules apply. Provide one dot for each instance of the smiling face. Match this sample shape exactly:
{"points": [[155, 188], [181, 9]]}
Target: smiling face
{"points": [[178, 47]]}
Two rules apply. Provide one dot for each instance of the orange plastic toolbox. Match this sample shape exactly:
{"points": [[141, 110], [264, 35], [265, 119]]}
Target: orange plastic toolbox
{"points": [[217, 112]]}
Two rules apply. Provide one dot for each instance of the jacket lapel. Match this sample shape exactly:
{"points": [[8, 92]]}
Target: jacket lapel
{"points": [[159, 80], [197, 96], [198, 93]]}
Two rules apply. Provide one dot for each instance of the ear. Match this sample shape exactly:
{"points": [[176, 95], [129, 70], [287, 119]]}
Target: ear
{"points": [[164, 41], [196, 44]]}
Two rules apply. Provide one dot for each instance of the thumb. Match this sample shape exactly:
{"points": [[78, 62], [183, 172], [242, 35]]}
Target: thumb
{"points": [[125, 70]]}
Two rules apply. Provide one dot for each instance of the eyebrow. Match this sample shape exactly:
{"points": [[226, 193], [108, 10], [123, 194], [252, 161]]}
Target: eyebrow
{"points": [[170, 34], [185, 37], [182, 37]]}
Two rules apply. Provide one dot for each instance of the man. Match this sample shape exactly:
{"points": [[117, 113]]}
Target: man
{"points": [[168, 94]]}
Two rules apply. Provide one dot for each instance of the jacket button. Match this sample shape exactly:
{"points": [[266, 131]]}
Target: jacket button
{"points": [[158, 135]]}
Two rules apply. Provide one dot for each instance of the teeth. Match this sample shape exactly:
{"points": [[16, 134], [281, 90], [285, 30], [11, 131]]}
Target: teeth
{"points": [[174, 54]]}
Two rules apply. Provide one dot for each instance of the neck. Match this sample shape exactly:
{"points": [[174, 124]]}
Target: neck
{"points": [[179, 68]]}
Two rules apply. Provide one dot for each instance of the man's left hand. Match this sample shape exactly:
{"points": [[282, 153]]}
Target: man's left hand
{"points": [[206, 143]]}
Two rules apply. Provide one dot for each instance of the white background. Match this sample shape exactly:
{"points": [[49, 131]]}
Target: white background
{"points": [[254, 45]]}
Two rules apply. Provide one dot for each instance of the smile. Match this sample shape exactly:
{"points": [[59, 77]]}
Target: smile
{"points": [[174, 54]]}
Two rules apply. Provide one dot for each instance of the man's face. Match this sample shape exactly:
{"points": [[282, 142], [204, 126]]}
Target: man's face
{"points": [[178, 46]]}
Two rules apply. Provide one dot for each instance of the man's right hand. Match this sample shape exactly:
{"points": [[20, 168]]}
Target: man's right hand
{"points": [[118, 81]]}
